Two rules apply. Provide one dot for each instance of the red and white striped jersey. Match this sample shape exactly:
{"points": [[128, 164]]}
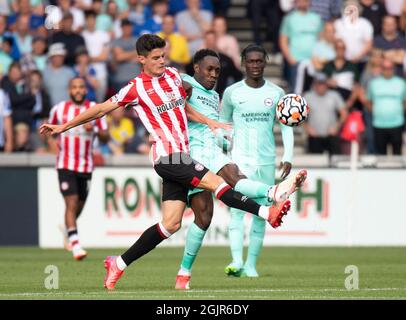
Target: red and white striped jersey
{"points": [[76, 144], [160, 104]]}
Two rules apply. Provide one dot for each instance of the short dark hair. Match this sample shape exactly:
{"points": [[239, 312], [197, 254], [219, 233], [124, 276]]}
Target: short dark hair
{"points": [[202, 53], [148, 42], [90, 13], [75, 78], [253, 48]]}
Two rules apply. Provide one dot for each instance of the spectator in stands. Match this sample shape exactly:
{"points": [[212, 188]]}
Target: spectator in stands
{"points": [[110, 20], [137, 13], [84, 69], [179, 50], [98, 46], [328, 10], [373, 11], [323, 52], [5, 58], [323, 124], [125, 57], [121, 130], [271, 11], [387, 101], [64, 7], [171, 63], [42, 105], [176, 6], [392, 43], [22, 138], [193, 23], [154, 23], [21, 35], [342, 75], [35, 21], [229, 73], [226, 43], [69, 38], [6, 123], [372, 70], [299, 33], [39, 47], [22, 101], [357, 34], [56, 75], [37, 59]]}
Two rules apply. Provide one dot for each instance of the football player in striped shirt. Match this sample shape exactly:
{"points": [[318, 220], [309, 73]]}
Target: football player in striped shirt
{"points": [[158, 97], [75, 157]]}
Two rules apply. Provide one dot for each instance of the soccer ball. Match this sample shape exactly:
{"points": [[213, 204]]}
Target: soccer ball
{"points": [[292, 110]]}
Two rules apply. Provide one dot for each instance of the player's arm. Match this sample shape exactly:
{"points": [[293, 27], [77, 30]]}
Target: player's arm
{"points": [[98, 111], [288, 143], [188, 88], [195, 116]]}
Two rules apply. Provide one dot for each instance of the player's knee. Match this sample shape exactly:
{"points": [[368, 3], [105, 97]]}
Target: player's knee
{"points": [[204, 219], [172, 226]]}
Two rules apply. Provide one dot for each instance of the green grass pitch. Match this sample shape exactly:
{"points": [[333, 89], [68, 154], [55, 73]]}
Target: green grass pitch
{"points": [[285, 273]]}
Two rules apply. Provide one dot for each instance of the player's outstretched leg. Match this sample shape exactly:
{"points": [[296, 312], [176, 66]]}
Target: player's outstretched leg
{"points": [[236, 239], [272, 214]]}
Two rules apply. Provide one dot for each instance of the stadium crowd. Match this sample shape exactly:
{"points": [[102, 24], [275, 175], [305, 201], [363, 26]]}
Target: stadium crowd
{"points": [[350, 68]]}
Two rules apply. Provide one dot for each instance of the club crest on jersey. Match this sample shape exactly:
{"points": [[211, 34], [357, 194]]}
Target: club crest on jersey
{"points": [[171, 95], [199, 167], [177, 82], [268, 102]]}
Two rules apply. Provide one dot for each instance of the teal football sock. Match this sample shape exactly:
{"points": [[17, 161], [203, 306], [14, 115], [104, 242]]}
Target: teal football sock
{"points": [[256, 239], [194, 240], [252, 189], [236, 235]]}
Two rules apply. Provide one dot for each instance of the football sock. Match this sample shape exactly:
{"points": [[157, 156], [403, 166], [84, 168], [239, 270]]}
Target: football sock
{"points": [[252, 189], [256, 239], [73, 238], [194, 239], [120, 263], [236, 235], [147, 242], [236, 199]]}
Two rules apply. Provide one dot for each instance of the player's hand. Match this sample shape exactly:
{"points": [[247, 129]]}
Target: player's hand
{"points": [[285, 167], [50, 129], [213, 125]]}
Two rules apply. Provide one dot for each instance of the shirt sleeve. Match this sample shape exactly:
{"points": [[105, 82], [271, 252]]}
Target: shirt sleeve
{"points": [[53, 115], [285, 26], [226, 111], [127, 96]]}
